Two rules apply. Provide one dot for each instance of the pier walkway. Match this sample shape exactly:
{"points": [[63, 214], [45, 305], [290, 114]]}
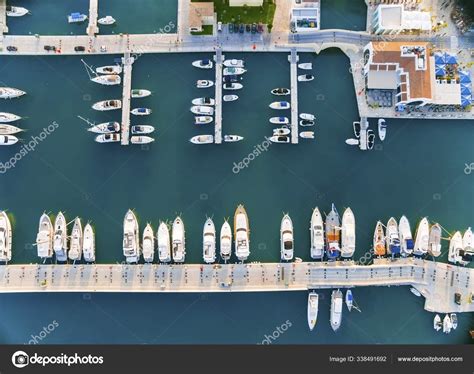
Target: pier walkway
{"points": [[437, 282], [219, 59], [127, 62], [294, 58], [92, 28], [3, 17]]}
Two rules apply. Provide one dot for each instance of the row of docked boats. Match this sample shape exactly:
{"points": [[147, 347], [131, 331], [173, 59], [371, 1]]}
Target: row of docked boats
{"points": [[448, 323], [232, 75], [54, 240], [305, 77], [368, 140], [8, 131], [171, 246]]}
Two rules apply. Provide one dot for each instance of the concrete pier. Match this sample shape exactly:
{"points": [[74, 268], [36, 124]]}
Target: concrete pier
{"points": [[364, 126], [3, 17], [293, 59], [127, 62], [219, 59], [92, 28]]}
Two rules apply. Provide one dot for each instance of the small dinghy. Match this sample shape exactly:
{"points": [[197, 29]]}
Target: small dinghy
{"points": [[305, 78], [9, 129], [148, 244], [202, 139], [202, 110], [105, 128], [437, 324], [234, 63], [107, 79], [307, 116], [370, 139], [382, 129], [142, 129], [141, 111], [356, 128], [203, 64], [305, 66], [203, 120], [233, 138], [106, 105], [282, 131], [109, 69], [307, 134], [16, 11], [204, 83], [88, 244], [8, 139], [280, 105], [76, 17], [352, 141], [204, 101], [313, 306], [139, 93], [139, 139], [230, 98], [234, 71], [306, 123], [280, 120], [75, 251], [106, 21], [281, 91], [232, 86], [8, 117], [107, 138], [280, 139]]}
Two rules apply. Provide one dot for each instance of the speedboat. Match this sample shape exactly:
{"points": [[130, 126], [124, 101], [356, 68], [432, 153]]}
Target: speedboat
{"points": [[307, 134], [209, 242], [106, 21], [437, 324], [415, 292], [317, 235], [107, 105], [44, 238], [333, 224], [8, 117], [422, 237], [336, 309], [16, 11], [348, 239], [306, 123], [88, 244], [148, 244], [307, 116], [393, 238], [241, 233], [203, 64], [8, 139], [313, 306], [282, 131], [131, 240], [370, 139], [141, 111], [75, 250], [232, 78], [228, 98], [9, 129], [204, 101], [107, 138], [178, 240], [455, 245], [234, 71], [204, 83], [142, 129], [287, 245], [203, 120], [434, 242], [280, 105], [141, 139], [233, 138], [382, 129], [234, 63], [281, 91], [5, 238], [379, 240], [454, 320], [202, 110], [280, 120], [10, 93], [226, 241], [108, 79], [139, 93], [305, 78], [305, 66], [76, 17], [60, 237], [447, 325], [232, 86], [109, 69], [280, 139], [356, 127], [352, 141], [202, 139], [164, 247], [105, 128], [406, 239]]}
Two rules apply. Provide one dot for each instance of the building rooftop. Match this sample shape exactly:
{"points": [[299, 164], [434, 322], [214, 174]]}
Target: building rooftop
{"points": [[198, 11]]}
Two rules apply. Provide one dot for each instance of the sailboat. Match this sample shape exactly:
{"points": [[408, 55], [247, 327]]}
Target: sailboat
{"points": [[107, 79], [148, 244], [164, 247], [317, 235], [286, 239], [241, 233], [75, 250], [379, 240], [406, 239], [60, 237], [437, 324], [226, 241], [44, 238], [434, 241], [348, 234], [5, 238], [131, 240], [209, 242], [422, 237], [455, 245], [336, 309], [178, 240], [105, 128], [88, 244], [313, 306], [393, 238], [333, 234]]}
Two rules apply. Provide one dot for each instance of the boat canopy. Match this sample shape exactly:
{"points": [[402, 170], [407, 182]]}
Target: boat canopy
{"points": [[410, 244]]}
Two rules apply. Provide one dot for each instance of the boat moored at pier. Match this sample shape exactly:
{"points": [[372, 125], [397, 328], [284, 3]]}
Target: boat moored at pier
{"points": [[60, 242], [209, 242], [107, 79], [5, 238], [75, 249], [336, 309], [313, 307], [348, 232], [406, 239], [88, 244], [287, 245], [44, 238], [422, 237], [226, 241], [333, 235], [131, 240], [148, 244], [178, 241], [241, 233], [317, 235]]}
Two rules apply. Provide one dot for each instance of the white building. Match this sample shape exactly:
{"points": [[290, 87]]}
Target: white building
{"points": [[394, 19], [305, 16]]}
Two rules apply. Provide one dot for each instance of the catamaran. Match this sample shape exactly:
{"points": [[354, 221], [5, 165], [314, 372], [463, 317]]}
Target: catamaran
{"points": [[88, 244], [348, 239], [234, 63], [142, 129], [393, 238], [209, 242], [16, 11], [163, 238], [109, 69], [107, 138], [10, 93], [287, 244], [44, 238], [60, 237], [455, 245], [202, 139], [131, 240], [313, 307], [9, 129], [106, 105], [204, 101], [5, 238], [140, 93], [317, 235], [434, 242], [422, 237], [178, 241], [105, 128], [234, 71], [406, 239], [280, 120], [203, 120], [202, 110], [379, 240], [8, 117], [333, 224], [107, 80], [75, 250], [241, 233], [226, 241], [203, 64], [336, 309], [280, 105], [148, 244], [106, 21]]}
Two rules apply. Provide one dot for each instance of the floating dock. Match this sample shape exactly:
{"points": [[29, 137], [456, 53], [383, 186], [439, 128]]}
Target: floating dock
{"points": [[219, 59], [127, 62], [92, 27], [3, 16], [293, 58], [437, 282], [364, 126]]}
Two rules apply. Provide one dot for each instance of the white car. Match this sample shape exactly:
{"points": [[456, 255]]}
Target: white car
{"points": [[219, 26], [103, 48]]}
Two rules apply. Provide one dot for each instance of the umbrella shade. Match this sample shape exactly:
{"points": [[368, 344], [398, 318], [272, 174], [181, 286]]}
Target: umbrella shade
{"points": [[439, 58], [465, 79], [465, 90], [440, 70], [466, 100], [450, 59]]}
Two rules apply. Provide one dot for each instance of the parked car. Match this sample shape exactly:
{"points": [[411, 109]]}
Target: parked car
{"points": [[236, 28], [12, 48], [49, 48], [260, 28], [247, 28], [241, 28], [254, 28], [231, 28], [103, 48], [219, 26], [79, 48]]}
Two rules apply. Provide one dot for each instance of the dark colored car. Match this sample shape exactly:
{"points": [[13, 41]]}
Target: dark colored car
{"points": [[12, 48], [49, 48], [457, 298], [79, 48], [260, 28], [241, 28], [254, 28], [236, 28], [247, 28], [232, 78], [231, 28]]}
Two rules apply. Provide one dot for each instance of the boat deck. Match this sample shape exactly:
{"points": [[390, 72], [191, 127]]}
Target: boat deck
{"points": [[219, 59], [92, 28], [293, 59], [3, 16], [127, 62], [436, 281]]}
